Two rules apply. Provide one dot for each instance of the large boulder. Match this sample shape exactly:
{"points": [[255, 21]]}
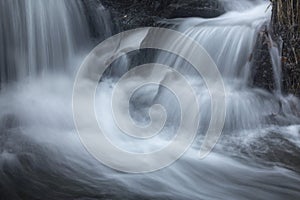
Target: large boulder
{"points": [[131, 14]]}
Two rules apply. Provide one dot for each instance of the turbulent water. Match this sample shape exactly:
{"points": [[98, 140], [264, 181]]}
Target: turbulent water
{"points": [[41, 156]]}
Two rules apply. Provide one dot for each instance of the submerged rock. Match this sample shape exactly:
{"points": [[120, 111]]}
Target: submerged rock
{"points": [[274, 149]]}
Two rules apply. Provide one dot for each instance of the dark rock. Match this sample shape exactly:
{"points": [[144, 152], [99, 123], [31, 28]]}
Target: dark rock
{"points": [[193, 8], [140, 13], [262, 72], [274, 149], [285, 26]]}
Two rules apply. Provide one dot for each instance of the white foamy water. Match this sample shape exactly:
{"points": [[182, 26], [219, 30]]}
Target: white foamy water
{"points": [[41, 156]]}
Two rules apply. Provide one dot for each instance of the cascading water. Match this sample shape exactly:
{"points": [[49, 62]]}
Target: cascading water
{"points": [[41, 156], [39, 36], [275, 53]]}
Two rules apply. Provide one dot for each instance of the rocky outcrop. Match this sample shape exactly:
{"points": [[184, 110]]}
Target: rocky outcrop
{"points": [[263, 76], [131, 14], [285, 26]]}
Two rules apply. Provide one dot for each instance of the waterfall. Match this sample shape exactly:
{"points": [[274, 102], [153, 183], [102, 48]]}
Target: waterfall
{"points": [[41, 156], [275, 53], [39, 36], [230, 40], [240, 5]]}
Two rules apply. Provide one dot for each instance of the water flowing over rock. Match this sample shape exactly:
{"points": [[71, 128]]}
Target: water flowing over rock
{"points": [[39, 36], [41, 155]]}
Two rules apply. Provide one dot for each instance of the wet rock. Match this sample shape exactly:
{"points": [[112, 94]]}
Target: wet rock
{"points": [[285, 26], [274, 149], [138, 13], [262, 71], [193, 8]]}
